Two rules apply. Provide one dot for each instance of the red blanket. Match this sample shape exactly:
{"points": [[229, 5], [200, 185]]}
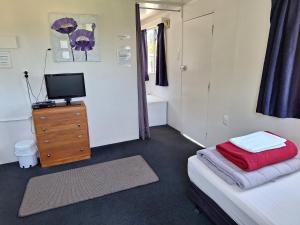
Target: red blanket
{"points": [[252, 161]]}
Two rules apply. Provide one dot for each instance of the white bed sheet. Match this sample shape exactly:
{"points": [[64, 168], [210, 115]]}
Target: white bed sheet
{"points": [[276, 203]]}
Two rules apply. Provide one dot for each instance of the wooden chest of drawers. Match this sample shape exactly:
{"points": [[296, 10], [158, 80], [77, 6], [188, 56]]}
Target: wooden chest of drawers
{"points": [[62, 134]]}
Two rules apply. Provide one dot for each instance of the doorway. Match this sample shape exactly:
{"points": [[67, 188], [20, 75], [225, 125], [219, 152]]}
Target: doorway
{"points": [[197, 51]]}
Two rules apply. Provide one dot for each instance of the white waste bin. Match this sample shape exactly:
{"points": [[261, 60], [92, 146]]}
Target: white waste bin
{"points": [[26, 152]]}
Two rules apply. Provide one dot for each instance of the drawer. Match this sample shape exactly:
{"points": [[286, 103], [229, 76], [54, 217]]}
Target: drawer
{"points": [[64, 154], [58, 117], [62, 136], [62, 126], [65, 150], [62, 145]]}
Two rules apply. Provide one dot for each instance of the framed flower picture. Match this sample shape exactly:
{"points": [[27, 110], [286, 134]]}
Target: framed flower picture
{"points": [[74, 37]]}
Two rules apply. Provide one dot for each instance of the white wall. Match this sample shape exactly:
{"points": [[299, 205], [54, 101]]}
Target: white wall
{"points": [[240, 40], [223, 54], [111, 89], [172, 93], [252, 37]]}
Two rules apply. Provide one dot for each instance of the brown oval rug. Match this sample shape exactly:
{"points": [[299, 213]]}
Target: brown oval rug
{"points": [[76, 185]]}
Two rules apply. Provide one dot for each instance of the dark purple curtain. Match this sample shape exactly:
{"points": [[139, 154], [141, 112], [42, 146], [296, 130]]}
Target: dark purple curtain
{"points": [[145, 54], [280, 86], [144, 129], [161, 64]]}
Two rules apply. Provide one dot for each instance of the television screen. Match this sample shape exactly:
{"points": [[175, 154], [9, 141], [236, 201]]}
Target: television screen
{"points": [[65, 86]]}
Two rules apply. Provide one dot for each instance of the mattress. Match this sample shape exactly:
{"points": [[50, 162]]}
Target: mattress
{"points": [[275, 203]]}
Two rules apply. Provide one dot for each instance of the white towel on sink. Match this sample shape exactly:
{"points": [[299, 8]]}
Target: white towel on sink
{"points": [[258, 142]]}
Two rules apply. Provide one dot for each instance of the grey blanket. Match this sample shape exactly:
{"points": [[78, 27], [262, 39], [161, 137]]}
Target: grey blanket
{"points": [[233, 175]]}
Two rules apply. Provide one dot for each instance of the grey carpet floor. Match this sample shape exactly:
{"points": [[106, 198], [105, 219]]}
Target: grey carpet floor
{"points": [[76, 185], [163, 203]]}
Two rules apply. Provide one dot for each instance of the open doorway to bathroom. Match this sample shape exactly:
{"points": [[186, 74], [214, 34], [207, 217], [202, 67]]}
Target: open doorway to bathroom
{"points": [[161, 26]]}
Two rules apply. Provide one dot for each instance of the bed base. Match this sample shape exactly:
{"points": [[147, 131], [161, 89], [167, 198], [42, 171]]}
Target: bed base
{"points": [[209, 207]]}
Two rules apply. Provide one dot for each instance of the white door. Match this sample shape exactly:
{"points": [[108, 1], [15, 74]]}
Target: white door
{"points": [[197, 48]]}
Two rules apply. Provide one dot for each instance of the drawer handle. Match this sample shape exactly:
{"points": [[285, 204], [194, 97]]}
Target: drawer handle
{"points": [[46, 141], [44, 129], [43, 117], [49, 155], [80, 136], [78, 114], [82, 149], [78, 125]]}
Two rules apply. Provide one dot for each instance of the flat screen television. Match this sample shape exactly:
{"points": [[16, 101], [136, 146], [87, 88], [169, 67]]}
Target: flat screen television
{"points": [[65, 86]]}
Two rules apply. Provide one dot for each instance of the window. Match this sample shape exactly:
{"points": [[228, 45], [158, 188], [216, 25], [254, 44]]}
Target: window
{"points": [[151, 42]]}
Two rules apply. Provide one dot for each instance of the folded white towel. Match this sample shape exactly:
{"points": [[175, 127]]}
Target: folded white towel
{"points": [[258, 142]]}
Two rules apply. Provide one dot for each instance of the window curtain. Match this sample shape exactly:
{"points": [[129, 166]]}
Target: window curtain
{"points": [[161, 65], [280, 86], [145, 54], [144, 129]]}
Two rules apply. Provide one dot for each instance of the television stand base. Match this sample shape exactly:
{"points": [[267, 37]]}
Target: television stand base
{"points": [[63, 104]]}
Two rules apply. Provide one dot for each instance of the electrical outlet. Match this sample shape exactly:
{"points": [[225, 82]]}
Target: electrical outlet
{"points": [[26, 73], [226, 120]]}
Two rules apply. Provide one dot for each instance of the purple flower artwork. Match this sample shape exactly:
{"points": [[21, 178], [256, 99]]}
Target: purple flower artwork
{"points": [[65, 25], [80, 37], [83, 40]]}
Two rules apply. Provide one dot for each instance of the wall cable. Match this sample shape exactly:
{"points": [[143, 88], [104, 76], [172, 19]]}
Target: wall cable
{"points": [[29, 88]]}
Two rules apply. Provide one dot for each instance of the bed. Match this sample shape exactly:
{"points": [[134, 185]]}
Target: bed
{"points": [[275, 203]]}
